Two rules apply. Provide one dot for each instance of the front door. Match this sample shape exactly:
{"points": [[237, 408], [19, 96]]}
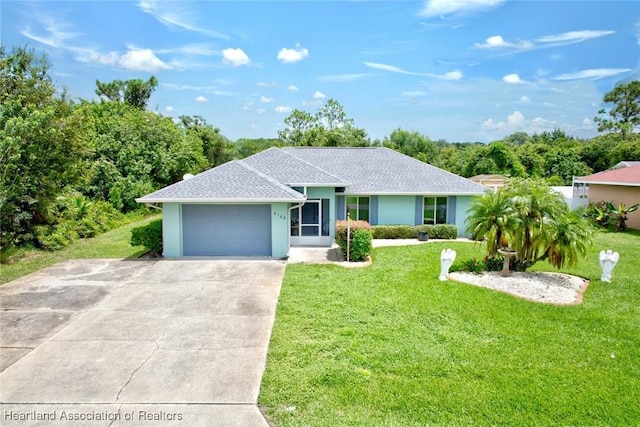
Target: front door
{"points": [[310, 224]]}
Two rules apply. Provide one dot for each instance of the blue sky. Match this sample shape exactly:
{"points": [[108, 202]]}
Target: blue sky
{"points": [[462, 70]]}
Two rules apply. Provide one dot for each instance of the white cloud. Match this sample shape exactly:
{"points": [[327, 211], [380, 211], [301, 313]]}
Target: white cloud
{"points": [[265, 84], [513, 79], [265, 100], [261, 111], [142, 60], [176, 15], [201, 99], [413, 93], [497, 42], [344, 77], [319, 95], [235, 57], [283, 109], [587, 123], [385, 67], [517, 122], [199, 49], [443, 7], [451, 75], [169, 109], [293, 88], [514, 121], [247, 106], [592, 74], [525, 99], [573, 36], [313, 103], [638, 32], [57, 32], [209, 89], [289, 56]]}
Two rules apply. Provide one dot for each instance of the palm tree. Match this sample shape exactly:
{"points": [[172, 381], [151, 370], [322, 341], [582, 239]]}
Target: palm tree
{"points": [[570, 238], [491, 216], [536, 221]]}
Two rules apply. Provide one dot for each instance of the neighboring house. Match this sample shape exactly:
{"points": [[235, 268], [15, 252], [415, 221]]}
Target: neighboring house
{"points": [[492, 181], [282, 197], [618, 186]]}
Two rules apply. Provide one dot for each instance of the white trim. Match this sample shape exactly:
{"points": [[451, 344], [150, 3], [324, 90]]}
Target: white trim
{"points": [[221, 201], [617, 183], [416, 193], [315, 184]]}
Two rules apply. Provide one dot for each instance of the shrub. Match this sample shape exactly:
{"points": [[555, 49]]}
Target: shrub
{"points": [[55, 237], [341, 236], [493, 263], [472, 265], [394, 232], [360, 246], [438, 231], [149, 236]]}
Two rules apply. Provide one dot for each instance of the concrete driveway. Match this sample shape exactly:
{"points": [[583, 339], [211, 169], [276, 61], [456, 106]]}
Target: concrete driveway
{"points": [[106, 342]]}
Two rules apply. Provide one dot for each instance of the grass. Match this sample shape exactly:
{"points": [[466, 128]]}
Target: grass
{"points": [[391, 345], [112, 244]]}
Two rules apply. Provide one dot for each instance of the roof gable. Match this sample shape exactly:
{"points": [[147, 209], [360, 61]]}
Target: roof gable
{"points": [[234, 181], [290, 170]]}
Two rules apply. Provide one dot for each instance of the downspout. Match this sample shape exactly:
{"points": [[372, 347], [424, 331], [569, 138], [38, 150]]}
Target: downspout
{"points": [[304, 192], [152, 206]]}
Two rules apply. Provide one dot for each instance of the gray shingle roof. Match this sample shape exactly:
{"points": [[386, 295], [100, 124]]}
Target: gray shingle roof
{"points": [[290, 170], [379, 170], [235, 181], [269, 175]]}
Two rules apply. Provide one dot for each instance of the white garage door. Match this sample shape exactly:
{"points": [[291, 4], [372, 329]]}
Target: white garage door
{"points": [[226, 230]]}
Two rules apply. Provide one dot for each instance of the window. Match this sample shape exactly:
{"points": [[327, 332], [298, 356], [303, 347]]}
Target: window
{"points": [[358, 208], [435, 210]]}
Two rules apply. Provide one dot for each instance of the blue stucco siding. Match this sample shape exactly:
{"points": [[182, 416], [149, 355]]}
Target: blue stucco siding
{"points": [[172, 230], [279, 230], [340, 208], [396, 210], [462, 204], [451, 209]]}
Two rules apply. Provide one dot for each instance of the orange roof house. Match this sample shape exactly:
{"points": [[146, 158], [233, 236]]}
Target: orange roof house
{"points": [[616, 186]]}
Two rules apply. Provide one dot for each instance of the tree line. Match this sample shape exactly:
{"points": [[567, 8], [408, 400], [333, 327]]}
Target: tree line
{"points": [[61, 158]]}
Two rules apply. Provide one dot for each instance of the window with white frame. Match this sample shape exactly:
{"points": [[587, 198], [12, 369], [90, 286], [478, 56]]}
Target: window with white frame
{"points": [[358, 208], [434, 210]]}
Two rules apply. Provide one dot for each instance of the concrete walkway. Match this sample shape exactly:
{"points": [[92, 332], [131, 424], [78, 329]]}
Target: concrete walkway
{"points": [[105, 342]]}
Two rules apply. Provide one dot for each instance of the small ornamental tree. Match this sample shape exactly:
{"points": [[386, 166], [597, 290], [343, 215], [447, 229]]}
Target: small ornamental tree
{"points": [[537, 223]]}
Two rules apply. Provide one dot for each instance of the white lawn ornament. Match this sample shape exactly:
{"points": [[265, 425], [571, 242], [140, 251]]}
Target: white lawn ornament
{"points": [[447, 256], [608, 261]]}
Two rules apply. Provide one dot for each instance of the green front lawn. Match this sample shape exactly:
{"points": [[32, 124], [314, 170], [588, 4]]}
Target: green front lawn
{"points": [[391, 345], [112, 244]]}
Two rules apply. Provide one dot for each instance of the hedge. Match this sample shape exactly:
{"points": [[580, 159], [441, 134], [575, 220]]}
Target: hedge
{"points": [[437, 231], [360, 242], [149, 236]]}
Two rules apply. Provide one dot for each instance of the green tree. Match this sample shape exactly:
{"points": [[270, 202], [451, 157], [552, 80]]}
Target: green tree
{"points": [[246, 147], [624, 116], [134, 152], [330, 127], [413, 144], [537, 221], [491, 217], [216, 148], [134, 92], [495, 158], [41, 143]]}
